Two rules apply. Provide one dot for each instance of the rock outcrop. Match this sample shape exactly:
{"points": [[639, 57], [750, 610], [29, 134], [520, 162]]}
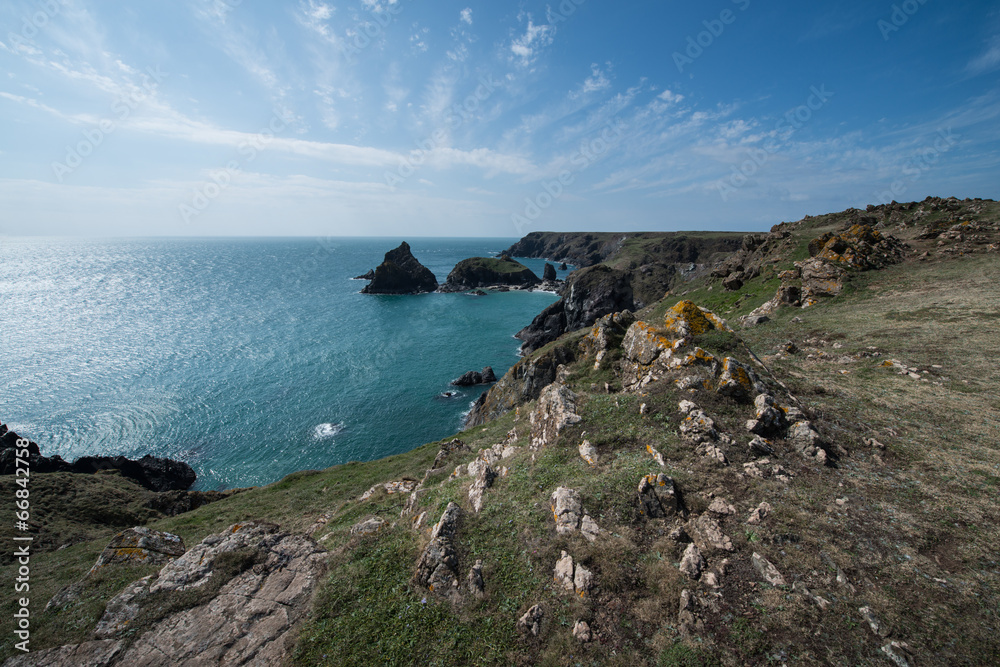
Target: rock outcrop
{"points": [[251, 619], [477, 272], [549, 272], [472, 378], [150, 472], [437, 569], [401, 273], [589, 294], [522, 383]]}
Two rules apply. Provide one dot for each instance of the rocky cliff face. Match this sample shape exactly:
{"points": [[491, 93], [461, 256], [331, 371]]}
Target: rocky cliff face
{"points": [[401, 273], [589, 294], [489, 272]]}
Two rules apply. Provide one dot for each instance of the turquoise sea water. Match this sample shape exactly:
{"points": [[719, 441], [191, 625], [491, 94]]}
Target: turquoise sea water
{"points": [[247, 358]]}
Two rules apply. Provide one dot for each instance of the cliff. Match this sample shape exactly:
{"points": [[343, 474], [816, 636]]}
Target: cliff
{"points": [[667, 486], [401, 273], [489, 272]]}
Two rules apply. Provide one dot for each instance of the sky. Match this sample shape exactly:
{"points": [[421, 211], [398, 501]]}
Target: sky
{"points": [[413, 118]]}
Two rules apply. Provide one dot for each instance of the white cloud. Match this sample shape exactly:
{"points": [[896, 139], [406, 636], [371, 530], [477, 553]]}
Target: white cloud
{"points": [[597, 81], [466, 15], [986, 61], [524, 48]]}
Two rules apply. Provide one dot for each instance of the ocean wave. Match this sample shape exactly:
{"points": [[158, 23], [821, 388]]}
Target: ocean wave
{"points": [[328, 430]]}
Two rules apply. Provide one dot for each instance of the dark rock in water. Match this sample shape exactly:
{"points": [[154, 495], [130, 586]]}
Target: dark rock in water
{"points": [[401, 273], [590, 293], [448, 394], [549, 273], [368, 276], [151, 472], [477, 292], [563, 267], [489, 272], [473, 378]]}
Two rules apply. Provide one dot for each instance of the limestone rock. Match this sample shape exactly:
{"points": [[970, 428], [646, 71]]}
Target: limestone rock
{"points": [[447, 449], [437, 568], [607, 333], [899, 652], [721, 507], [122, 609], [556, 409], [195, 567], [708, 532], [692, 563], [657, 456], [581, 632], [87, 654], [643, 344], [767, 570], [140, 545], [563, 572], [476, 583], [688, 619], [807, 441], [251, 618], [769, 418], [531, 622], [686, 319], [589, 528], [401, 273], [759, 514], [820, 278], [567, 508], [484, 480], [658, 497], [400, 486], [736, 381], [573, 576], [368, 527], [588, 453], [761, 446]]}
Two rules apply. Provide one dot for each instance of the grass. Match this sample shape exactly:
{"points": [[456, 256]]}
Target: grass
{"points": [[914, 535]]}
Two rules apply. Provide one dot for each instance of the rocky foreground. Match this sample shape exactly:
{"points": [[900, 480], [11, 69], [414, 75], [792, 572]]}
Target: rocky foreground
{"points": [[779, 462]]}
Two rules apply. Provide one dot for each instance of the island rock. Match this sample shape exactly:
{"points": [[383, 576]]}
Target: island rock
{"points": [[478, 272], [401, 273]]}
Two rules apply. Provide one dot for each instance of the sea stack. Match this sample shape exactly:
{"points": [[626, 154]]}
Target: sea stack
{"points": [[401, 273], [489, 272]]}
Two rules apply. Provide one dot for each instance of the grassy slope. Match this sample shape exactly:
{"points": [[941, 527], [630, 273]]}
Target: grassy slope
{"points": [[916, 536]]}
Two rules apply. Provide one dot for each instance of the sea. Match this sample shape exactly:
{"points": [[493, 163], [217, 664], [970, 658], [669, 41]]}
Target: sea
{"points": [[247, 358]]}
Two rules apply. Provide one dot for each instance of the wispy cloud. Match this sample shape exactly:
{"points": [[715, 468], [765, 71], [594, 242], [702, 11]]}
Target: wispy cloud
{"points": [[524, 49], [987, 61], [466, 15]]}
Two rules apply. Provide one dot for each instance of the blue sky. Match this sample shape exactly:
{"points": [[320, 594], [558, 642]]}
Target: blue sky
{"points": [[411, 118]]}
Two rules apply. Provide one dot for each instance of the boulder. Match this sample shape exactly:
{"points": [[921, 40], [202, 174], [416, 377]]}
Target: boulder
{"points": [[368, 526], [692, 562], [658, 497], [140, 546], [401, 273], [708, 532], [767, 570], [588, 452], [437, 568], [581, 632], [607, 333], [556, 409], [807, 441], [567, 509], [531, 622]]}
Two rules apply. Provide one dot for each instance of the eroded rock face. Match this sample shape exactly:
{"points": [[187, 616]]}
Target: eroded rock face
{"points": [[589, 294], [556, 409], [250, 621], [401, 273], [437, 569], [607, 333]]}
